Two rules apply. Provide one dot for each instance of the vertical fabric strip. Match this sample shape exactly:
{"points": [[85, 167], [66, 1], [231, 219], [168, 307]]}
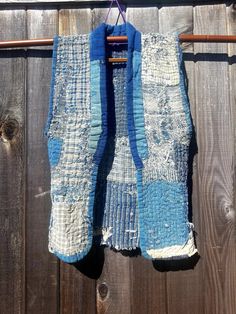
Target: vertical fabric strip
{"points": [[96, 113], [134, 39], [120, 228], [98, 135], [138, 111], [72, 180]]}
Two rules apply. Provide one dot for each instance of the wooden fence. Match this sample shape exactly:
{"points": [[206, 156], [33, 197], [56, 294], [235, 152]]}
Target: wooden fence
{"points": [[34, 281]]}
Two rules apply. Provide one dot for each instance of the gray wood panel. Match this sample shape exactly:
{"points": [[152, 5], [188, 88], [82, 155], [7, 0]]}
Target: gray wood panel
{"points": [[230, 207], [215, 137], [12, 166], [41, 266], [137, 16]]}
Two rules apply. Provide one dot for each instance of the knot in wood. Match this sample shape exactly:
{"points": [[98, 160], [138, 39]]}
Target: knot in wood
{"points": [[9, 129], [103, 290]]}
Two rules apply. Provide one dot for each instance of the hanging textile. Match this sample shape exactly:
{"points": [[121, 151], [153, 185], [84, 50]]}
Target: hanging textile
{"points": [[118, 140]]}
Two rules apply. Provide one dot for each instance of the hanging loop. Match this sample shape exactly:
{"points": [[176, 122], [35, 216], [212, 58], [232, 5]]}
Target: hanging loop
{"points": [[120, 10]]}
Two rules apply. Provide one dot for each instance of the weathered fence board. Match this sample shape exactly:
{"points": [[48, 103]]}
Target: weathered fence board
{"points": [[230, 250], [12, 171], [41, 267], [32, 280], [215, 137]]}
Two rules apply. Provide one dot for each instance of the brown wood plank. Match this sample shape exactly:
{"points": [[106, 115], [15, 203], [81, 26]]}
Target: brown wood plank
{"points": [[114, 289], [74, 21], [184, 290], [77, 284], [215, 137], [230, 266], [41, 266], [12, 165]]}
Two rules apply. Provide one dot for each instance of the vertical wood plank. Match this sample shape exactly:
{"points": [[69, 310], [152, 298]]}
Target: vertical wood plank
{"points": [[12, 165], [99, 16], [137, 16], [77, 290], [114, 289], [184, 289], [41, 266], [74, 21], [215, 136], [230, 266]]}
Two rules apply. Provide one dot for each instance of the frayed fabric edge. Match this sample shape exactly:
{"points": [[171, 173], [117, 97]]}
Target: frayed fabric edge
{"points": [[176, 251]]}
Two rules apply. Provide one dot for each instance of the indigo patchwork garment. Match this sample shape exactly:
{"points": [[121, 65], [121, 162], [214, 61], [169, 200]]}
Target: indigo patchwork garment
{"points": [[118, 140]]}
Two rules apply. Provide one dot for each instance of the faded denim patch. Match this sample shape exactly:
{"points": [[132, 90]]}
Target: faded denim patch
{"points": [[54, 150]]}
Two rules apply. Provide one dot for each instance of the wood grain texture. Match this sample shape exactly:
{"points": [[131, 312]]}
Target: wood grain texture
{"points": [[12, 166], [99, 16], [215, 137], [41, 266], [185, 284], [78, 291], [137, 16], [230, 266], [114, 293], [74, 21]]}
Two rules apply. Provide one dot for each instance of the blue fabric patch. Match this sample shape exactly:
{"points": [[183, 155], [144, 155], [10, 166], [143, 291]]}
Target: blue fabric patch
{"points": [[163, 214], [98, 52], [142, 146], [134, 43], [54, 150], [96, 113], [72, 258], [116, 210]]}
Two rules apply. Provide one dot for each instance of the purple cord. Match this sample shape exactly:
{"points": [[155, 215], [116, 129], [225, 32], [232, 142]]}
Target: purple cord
{"points": [[120, 10]]}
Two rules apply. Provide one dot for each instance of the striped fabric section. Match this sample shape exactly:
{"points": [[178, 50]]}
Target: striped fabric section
{"points": [[115, 212]]}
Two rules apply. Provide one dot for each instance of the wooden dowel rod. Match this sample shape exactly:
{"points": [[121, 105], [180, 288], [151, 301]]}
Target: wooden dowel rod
{"points": [[112, 60], [182, 37], [207, 38], [112, 39], [26, 43]]}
